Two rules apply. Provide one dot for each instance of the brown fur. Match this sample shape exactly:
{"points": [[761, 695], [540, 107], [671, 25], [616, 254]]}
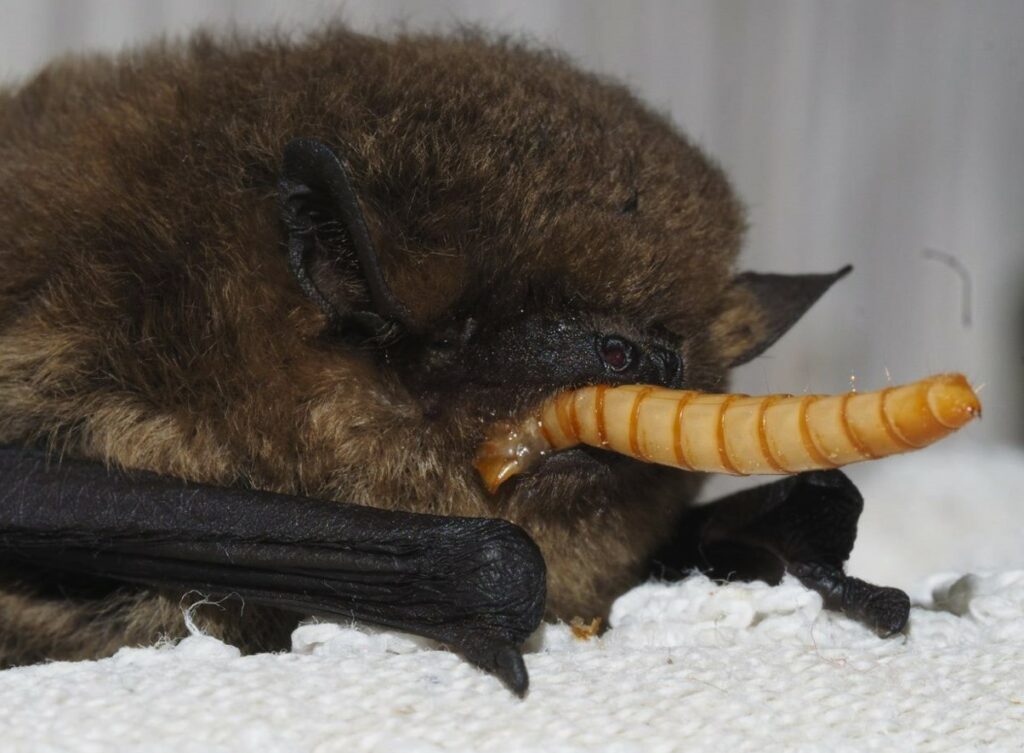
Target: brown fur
{"points": [[148, 319]]}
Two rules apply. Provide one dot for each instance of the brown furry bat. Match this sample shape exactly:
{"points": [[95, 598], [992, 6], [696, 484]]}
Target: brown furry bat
{"points": [[180, 296]]}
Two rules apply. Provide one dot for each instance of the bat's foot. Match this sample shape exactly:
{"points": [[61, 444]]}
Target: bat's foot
{"points": [[884, 609], [805, 525]]}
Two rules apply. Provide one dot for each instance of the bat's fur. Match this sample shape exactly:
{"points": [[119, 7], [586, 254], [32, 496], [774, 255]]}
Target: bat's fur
{"points": [[148, 318]]}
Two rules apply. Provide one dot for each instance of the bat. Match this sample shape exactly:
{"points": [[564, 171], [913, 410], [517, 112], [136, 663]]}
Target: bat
{"points": [[262, 300]]}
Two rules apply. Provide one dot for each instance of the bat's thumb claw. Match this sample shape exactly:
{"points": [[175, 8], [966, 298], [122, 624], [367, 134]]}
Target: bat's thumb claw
{"points": [[511, 669], [498, 657]]}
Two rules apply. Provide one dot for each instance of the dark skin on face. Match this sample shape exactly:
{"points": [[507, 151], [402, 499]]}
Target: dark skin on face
{"points": [[482, 237]]}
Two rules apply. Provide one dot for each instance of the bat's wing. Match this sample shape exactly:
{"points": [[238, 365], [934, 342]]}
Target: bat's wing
{"points": [[475, 584]]}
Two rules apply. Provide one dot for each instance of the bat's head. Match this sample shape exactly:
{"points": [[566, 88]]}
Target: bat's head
{"points": [[529, 230]]}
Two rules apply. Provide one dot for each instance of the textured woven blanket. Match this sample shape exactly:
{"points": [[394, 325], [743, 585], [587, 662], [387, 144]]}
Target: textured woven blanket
{"points": [[688, 666]]}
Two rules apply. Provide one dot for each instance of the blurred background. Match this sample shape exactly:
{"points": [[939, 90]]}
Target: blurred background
{"points": [[886, 134]]}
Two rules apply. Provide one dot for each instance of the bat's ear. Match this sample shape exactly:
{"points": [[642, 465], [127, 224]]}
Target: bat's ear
{"points": [[760, 308], [327, 237]]}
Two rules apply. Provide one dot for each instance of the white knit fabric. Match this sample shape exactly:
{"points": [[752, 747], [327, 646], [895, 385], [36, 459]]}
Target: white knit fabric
{"points": [[691, 666], [694, 666]]}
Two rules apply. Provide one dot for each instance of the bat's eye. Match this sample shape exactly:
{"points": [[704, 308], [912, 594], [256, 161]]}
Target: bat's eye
{"points": [[618, 354]]}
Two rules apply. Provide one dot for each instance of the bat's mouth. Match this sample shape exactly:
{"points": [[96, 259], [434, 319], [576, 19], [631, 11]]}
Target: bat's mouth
{"points": [[574, 473], [579, 461]]}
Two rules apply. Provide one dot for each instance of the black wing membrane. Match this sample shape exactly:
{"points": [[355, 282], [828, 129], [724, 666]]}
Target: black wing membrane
{"points": [[475, 584]]}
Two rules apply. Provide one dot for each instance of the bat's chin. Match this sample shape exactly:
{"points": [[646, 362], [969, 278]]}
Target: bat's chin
{"points": [[575, 483], [586, 463]]}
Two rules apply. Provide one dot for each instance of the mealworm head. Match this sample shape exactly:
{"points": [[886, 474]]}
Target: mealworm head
{"points": [[511, 450], [734, 434]]}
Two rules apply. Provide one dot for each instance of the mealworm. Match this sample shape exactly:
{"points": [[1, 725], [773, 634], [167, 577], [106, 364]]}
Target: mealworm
{"points": [[731, 433]]}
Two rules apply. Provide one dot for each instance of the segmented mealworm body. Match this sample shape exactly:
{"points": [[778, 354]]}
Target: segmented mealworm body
{"points": [[735, 434]]}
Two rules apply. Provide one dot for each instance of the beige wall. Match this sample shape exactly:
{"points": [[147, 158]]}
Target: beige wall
{"points": [[856, 131]]}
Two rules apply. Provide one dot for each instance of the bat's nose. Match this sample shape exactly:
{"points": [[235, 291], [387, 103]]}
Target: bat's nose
{"points": [[669, 368]]}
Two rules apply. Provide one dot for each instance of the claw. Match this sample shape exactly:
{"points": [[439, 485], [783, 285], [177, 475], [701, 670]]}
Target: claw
{"points": [[495, 655], [510, 668]]}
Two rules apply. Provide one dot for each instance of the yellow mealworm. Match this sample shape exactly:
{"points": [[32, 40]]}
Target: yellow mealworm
{"points": [[735, 434]]}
